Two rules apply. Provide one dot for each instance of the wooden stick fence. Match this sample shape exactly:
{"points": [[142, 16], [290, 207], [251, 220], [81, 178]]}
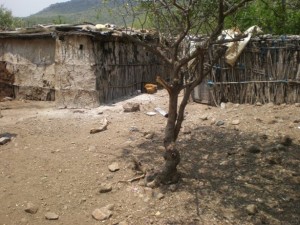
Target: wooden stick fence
{"points": [[267, 71]]}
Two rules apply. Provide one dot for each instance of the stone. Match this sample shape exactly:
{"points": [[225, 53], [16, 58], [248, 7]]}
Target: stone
{"points": [[123, 223], [258, 104], [51, 216], [6, 99], [286, 140], [104, 188], [272, 121], [251, 209], [102, 214], [280, 147], [254, 149], [173, 187], [149, 135], [158, 213], [235, 122], [160, 196], [297, 104], [220, 123], [113, 167], [204, 117], [4, 140], [31, 208], [223, 105], [131, 107]]}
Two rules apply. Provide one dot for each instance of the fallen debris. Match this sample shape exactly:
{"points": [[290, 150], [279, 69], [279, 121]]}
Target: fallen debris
{"points": [[161, 111], [113, 167], [100, 129], [31, 208], [131, 107], [51, 216], [4, 140], [103, 213]]}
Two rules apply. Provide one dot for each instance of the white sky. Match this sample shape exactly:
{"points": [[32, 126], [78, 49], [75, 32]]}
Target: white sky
{"points": [[22, 8]]}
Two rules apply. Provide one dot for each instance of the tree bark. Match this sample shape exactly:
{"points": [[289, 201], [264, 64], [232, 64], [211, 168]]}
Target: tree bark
{"points": [[169, 173]]}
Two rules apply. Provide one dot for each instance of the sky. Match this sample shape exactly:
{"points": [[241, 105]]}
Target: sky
{"points": [[23, 8]]}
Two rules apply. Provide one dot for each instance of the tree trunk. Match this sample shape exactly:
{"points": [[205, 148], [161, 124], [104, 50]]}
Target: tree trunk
{"points": [[172, 117], [168, 173]]}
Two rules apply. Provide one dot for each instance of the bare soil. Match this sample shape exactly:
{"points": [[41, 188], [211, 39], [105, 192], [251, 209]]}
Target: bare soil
{"points": [[55, 163]]}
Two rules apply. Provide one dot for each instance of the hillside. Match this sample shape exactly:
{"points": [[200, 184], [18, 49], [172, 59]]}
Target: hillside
{"points": [[74, 11]]}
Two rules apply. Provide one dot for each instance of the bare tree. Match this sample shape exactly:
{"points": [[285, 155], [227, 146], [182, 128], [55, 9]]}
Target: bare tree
{"points": [[176, 22]]}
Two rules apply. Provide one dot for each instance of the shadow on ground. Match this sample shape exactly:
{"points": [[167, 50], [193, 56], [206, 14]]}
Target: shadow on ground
{"points": [[227, 171]]}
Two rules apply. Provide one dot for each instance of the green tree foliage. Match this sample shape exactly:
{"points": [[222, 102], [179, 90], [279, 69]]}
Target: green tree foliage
{"points": [[273, 16], [7, 21]]}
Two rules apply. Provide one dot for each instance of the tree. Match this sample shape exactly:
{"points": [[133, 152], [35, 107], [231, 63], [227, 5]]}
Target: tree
{"points": [[176, 22], [7, 21], [273, 16]]}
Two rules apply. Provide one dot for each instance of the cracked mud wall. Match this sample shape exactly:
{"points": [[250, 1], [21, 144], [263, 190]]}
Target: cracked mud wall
{"points": [[31, 63], [75, 72]]}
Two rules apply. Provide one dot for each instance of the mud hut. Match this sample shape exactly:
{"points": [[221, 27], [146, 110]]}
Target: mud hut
{"points": [[75, 66]]}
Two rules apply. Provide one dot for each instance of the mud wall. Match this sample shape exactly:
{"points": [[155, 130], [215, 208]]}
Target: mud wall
{"points": [[31, 64], [75, 72]]}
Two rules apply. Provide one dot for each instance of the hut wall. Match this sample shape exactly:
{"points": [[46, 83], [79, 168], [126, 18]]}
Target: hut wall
{"points": [[123, 68], [268, 70], [30, 65], [75, 72]]}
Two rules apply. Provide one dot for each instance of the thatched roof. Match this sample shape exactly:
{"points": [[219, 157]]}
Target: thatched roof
{"points": [[98, 30]]}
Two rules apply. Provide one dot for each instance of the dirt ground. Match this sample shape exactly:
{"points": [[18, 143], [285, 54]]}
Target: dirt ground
{"points": [[237, 164]]}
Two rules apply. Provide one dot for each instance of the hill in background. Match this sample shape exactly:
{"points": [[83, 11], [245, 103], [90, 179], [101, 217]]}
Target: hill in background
{"points": [[73, 12]]}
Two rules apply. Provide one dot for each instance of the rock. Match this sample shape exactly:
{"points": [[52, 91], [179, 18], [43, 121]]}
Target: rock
{"points": [[204, 117], [31, 208], [235, 122], [173, 187], [158, 213], [104, 188], [254, 149], [149, 135], [251, 209], [4, 140], [272, 121], [286, 140], [258, 104], [280, 147], [134, 129], [123, 223], [223, 105], [295, 121], [6, 99], [213, 121], [113, 167], [160, 196], [220, 123], [161, 148], [131, 107], [297, 104], [102, 213], [51, 216], [263, 137]]}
